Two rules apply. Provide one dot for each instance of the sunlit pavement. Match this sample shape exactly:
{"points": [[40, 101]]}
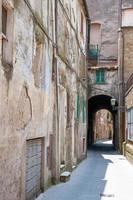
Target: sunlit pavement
{"points": [[104, 175]]}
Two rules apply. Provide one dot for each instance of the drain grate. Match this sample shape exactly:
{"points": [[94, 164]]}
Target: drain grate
{"points": [[107, 195]]}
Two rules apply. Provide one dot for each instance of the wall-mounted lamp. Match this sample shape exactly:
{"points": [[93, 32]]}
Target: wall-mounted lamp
{"points": [[113, 102]]}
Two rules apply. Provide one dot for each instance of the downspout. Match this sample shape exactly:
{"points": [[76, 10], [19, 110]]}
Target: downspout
{"points": [[87, 50], [0, 31], [121, 110], [56, 164]]}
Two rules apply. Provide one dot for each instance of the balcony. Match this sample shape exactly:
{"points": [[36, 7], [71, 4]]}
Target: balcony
{"points": [[93, 54]]}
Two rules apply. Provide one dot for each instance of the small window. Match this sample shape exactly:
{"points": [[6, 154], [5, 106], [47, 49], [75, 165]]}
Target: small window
{"points": [[127, 16], [37, 65], [100, 76], [95, 34], [84, 110], [4, 20], [77, 107], [130, 124], [68, 108], [7, 35], [82, 24]]}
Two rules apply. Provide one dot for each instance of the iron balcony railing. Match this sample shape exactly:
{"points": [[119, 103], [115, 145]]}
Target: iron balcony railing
{"points": [[129, 82], [93, 52]]}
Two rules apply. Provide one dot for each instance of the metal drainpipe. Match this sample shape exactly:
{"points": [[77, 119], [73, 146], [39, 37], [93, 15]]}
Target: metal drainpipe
{"points": [[87, 50], [56, 173], [0, 31], [121, 85]]}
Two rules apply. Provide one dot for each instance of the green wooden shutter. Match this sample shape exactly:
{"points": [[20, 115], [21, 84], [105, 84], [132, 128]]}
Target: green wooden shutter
{"points": [[77, 107], [102, 76], [84, 110], [97, 76]]}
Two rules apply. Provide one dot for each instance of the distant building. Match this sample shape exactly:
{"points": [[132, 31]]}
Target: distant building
{"points": [[103, 61], [103, 124]]}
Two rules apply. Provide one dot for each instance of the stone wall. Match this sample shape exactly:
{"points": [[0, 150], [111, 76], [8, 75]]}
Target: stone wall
{"points": [[110, 86], [103, 126], [128, 51], [47, 64], [106, 13], [127, 3]]}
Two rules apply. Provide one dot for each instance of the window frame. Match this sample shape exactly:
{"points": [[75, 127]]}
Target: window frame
{"points": [[100, 76], [68, 108], [77, 110], [82, 24], [4, 21], [7, 36], [130, 124]]}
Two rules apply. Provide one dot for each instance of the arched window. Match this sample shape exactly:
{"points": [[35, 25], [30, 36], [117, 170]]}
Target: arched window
{"points": [[127, 17], [95, 34]]}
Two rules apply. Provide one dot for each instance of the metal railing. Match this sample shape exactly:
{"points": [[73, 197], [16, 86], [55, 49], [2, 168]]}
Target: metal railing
{"points": [[93, 52]]}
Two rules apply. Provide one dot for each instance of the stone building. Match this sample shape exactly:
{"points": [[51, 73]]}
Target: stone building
{"points": [[126, 76], [43, 47], [103, 60], [103, 126]]}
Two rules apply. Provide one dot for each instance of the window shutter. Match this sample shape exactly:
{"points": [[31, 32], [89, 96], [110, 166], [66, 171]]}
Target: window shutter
{"points": [[77, 107], [97, 76], [102, 76], [84, 110]]}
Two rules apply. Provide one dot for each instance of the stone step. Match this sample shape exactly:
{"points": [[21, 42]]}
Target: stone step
{"points": [[65, 176]]}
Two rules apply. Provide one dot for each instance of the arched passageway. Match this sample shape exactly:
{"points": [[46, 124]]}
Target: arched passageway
{"points": [[95, 104]]}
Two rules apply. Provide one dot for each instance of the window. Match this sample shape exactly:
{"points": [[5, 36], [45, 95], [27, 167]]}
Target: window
{"points": [[130, 123], [37, 65], [4, 21], [77, 107], [100, 76], [95, 34], [68, 108], [82, 24], [127, 16], [84, 110], [7, 33], [84, 140]]}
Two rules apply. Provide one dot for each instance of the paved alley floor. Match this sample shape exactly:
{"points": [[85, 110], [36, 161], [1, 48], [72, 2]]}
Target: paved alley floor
{"points": [[104, 175]]}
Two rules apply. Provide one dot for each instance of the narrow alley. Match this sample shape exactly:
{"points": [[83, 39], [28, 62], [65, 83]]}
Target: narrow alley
{"points": [[66, 99], [105, 174]]}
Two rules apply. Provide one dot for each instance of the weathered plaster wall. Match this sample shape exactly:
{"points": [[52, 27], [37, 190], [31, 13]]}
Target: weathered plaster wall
{"points": [[71, 67], [110, 86], [31, 102], [25, 109], [107, 14]]}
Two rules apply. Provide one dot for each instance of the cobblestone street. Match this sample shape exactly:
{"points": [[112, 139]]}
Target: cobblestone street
{"points": [[105, 174]]}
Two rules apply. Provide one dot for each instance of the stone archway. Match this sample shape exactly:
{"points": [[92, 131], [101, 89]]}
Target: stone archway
{"points": [[96, 103]]}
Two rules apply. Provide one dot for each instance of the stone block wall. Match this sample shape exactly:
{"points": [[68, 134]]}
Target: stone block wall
{"points": [[128, 51]]}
